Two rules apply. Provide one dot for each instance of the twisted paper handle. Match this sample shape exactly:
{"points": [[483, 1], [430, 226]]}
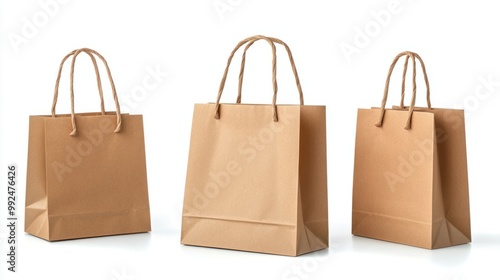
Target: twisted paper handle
{"points": [[249, 41], [91, 53], [292, 64], [408, 55]]}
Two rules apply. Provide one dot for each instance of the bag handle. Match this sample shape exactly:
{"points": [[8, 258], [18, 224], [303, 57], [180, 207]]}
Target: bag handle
{"points": [[425, 79], [113, 89], [98, 78], [292, 64], [275, 85], [408, 55], [224, 76], [91, 53]]}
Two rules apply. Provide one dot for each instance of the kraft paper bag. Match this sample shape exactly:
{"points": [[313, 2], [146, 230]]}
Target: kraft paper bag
{"points": [[256, 177], [86, 173], [410, 172]]}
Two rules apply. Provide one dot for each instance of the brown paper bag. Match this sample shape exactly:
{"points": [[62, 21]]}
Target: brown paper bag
{"points": [[86, 173], [256, 178], [410, 172]]}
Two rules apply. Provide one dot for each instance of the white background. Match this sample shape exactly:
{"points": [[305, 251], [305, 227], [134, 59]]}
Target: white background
{"points": [[191, 40]]}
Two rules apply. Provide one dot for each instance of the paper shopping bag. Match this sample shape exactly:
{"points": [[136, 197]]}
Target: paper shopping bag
{"points": [[86, 173], [410, 172], [256, 177]]}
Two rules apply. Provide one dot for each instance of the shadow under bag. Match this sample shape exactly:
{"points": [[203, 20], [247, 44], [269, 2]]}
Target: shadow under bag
{"points": [[410, 172], [86, 173], [256, 177]]}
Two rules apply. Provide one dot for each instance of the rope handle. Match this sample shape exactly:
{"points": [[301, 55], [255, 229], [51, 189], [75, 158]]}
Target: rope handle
{"points": [[98, 78], [408, 55], [292, 64], [91, 53], [249, 41]]}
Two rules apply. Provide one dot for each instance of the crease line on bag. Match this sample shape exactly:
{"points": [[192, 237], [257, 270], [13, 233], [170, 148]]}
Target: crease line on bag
{"points": [[239, 221], [100, 212], [442, 221], [389, 216]]}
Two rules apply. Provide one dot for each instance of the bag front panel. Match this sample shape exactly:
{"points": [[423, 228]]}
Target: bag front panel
{"points": [[97, 179], [393, 177], [242, 179]]}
